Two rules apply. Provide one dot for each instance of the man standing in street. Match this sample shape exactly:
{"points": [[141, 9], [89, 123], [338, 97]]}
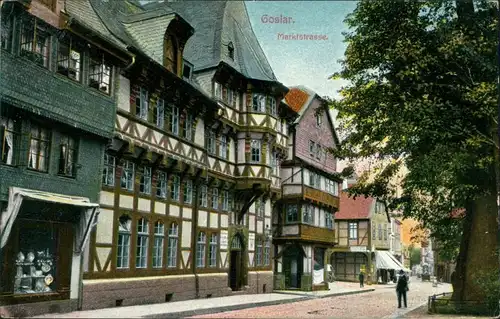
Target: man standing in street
{"points": [[402, 288], [361, 279]]}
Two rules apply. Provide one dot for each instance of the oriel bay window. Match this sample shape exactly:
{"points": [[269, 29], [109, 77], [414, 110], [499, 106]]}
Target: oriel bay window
{"points": [[212, 253], [308, 214], [201, 245], [188, 191], [161, 184], [9, 141], [69, 59], [35, 41], [159, 240], [39, 148], [127, 179], [141, 257], [292, 213], [142, 104], [100, 73], [176, 185], [255, 151], [67, 156], [123, 247], [173, 243], [145, 182], [259, 103]]}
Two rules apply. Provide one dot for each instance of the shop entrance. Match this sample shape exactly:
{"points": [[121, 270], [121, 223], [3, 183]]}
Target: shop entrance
{"points": [[293, 267], [236, 263]]}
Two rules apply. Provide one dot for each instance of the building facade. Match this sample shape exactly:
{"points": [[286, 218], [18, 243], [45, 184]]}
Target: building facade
{"points": [[57, 109], [303, 223]]}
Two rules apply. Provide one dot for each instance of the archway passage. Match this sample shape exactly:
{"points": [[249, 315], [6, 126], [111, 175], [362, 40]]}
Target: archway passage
{"points": [[236, 263], [293, 266]]}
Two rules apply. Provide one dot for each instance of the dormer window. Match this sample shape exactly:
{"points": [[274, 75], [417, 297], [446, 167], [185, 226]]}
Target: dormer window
{"points": [[230, 50]]}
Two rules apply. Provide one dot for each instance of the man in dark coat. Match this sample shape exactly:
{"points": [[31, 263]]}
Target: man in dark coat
{"points": [[361, 279], [402, 288]]}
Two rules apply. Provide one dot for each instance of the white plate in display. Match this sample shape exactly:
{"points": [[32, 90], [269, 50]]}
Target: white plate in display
{"points": [[45, 267]]}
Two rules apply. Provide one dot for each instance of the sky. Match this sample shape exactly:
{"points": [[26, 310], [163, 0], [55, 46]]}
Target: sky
{"points": [[302, 62]]}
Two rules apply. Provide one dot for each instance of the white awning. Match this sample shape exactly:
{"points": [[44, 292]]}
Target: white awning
{"points": [[85, 225], [385, 261], [399, 263]]}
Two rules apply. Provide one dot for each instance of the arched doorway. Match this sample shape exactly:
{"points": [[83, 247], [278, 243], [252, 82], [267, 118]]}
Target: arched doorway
{"points": [[293, 266], [236, 263]]}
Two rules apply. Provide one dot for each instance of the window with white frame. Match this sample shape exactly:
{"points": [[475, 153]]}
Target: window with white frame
{"points": [[159, 240], [273, 109], [188, 191], [174, 192], [267, 253], [173, 240], [160, 113], [319, 151], [275, 163], [141, 257], [258, 253], [188, 127], [230, 97], [308, 214], [204, 196], [142, 104], [353, 231], [292, 214], [201, 245], [174, 123], [123, 247], [312, 179], [225, 200], [108, 171], [328, 220], [145, 182], [215, 198], [127, 179], [259, 103], [161, 184], [223, 146], [211, 148], [212, 253], [217, 90], [255, 151]]}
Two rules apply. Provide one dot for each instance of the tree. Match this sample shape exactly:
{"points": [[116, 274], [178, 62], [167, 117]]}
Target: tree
{"points": [[415, 256], [422, 93]]}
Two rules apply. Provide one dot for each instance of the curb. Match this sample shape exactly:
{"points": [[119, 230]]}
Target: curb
{"points": [[403, 315], [191, 313]]}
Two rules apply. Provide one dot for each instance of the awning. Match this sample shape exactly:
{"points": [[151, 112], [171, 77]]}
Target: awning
{"points": [[384, 260], [399, 263], [86, 223]]}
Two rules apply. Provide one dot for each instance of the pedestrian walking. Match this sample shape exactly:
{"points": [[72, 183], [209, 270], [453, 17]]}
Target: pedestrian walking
{"points": [[402, 288], [361, 279]]}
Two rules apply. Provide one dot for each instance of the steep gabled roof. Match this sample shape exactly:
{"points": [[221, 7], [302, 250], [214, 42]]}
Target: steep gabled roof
{"points": [[350, 208]]}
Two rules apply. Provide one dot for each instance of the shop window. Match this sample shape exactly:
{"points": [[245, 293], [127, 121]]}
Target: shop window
{"points": [[142, 104], [204, 196], [127, 179], [211, 148], [225, 200], [141, 257], [145, 182], [161, 184], [108, 171], [123, 247], [188, 127], [174, 120], [9, 141], [173, 240], [6, 33], [255, 151], [176, 184], [201, 244], [159, 240], [267, 253], [223, 147], [292, 213], [258, 253], [215, 198], [308, 214], [39, 148], [100, 73], [258, 103], [273, 109], [212, 254], [36, 262], [159, 113], [69, 59], [353, 231], [67, 156], [35, 41], [188, 191]]}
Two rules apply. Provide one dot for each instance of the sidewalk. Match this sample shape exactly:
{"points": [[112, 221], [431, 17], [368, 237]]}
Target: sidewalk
{"points": [[194, 307]]}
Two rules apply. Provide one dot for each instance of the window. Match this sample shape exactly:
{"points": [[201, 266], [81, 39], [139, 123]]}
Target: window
{"points": [[312, 179], [319, 151], [225, 200], [6, 33], [231, 97], [39, 148], [188, 127], [69, 60], [186, 72], [258, 253], [230, 50], [259, 103], [159, 240], [292, 213], [308, 214], [332, 187], [9, 141], [212, 253], [260, 207], [319, 119], [353, 230], [175, 120], [211, 142], [328, 220], [312, 148], [159, 114], [123, 253], [100, 73], [215, 198], [141, 257], [223, 146], [176, 183], [385, 231], [273, 109], [67, 156], [108, 171], [380, 234], [275, 163], [142, 104], [374, 231], [127, 180], [161, 185], [173, 240], [35, 41], [218, 90], [255, 150], [145, 183], [200, 249], [267, 253], [204, 196], [188, 191]]}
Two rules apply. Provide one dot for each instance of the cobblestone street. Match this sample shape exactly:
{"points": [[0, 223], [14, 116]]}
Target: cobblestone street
{"points": [[381, 303]]}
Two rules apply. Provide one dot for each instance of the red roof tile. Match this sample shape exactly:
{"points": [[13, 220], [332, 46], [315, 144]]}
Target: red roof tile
{"points": [[351, 208], [296, 98]]}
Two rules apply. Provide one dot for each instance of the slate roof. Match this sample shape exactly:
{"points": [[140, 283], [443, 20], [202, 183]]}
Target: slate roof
{"points": [[350, 208]]}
